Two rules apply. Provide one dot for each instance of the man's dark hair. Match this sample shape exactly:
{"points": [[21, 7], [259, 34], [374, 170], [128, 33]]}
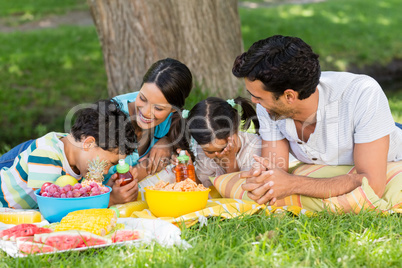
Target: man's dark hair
{"points": [[108, 124], [280, 63]]}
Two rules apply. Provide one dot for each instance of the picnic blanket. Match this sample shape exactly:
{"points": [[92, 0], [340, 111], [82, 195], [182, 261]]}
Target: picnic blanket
{"points": [[228, 199], [361, 198], [225, 208]]}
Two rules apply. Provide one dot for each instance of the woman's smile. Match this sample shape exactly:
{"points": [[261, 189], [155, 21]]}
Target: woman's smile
{"points": [[145, 119]]}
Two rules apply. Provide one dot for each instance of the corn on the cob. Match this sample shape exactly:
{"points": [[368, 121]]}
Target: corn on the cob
{"points": [[96, 221]]}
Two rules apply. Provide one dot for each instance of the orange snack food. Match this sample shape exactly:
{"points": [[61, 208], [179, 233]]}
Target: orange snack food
{"points": [[187, 185]]}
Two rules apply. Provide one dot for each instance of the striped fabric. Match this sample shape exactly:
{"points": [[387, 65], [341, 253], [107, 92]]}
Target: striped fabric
{"points": [[229, 186], [223, 207], [236, 203], [43, 161], [363, 197]]}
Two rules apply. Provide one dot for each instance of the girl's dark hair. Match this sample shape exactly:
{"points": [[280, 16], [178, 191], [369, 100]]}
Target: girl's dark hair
{"points": [[280, 63], [108, 124], [214, 118], [175, 81]]}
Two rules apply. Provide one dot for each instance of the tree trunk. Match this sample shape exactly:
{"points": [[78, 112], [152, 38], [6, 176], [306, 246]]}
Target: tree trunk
{"points": [[203, 34]]}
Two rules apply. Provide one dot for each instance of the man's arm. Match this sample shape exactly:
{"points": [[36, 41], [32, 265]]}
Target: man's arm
{"points": [[370, 162], [276, 154]]}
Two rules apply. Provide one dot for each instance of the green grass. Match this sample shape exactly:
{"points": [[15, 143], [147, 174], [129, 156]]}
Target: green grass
{"points": [[343, 32], [44, 73], [16, 12], [364, 240]]}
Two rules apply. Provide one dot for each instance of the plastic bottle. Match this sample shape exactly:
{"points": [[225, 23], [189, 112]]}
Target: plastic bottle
{"points": [[123, 172], [184, 170]]}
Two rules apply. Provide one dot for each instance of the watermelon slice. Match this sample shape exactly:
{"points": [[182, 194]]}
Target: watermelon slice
{"points": [[29, 247], [22, 230], [71, 239], [89, 239], [126, 235]]}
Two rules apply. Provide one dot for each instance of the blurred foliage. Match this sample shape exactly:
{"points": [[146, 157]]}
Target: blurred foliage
{"points": [[45, 73]]}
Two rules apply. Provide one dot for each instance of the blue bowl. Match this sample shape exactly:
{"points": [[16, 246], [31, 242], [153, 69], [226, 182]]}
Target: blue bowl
{"points": [[54, 209]]}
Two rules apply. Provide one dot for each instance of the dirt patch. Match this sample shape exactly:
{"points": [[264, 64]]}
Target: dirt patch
{"points": [[77, 18], [388, 76], [270, 3]]}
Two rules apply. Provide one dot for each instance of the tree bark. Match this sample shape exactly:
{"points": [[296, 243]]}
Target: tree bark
{"points": [[203, 34]]}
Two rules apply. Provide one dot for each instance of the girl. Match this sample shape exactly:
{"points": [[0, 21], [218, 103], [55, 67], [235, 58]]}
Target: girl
{"points": [[221, 148], [153, 112]]}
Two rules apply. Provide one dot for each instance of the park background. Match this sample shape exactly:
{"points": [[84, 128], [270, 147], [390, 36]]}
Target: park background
{"points": [[51, 60]]}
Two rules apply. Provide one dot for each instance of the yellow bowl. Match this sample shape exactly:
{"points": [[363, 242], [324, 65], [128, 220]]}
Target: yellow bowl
{"points": [[175, 204]]}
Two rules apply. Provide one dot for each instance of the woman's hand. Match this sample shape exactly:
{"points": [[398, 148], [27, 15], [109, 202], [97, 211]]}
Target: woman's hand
{"points": [[159, 156]]}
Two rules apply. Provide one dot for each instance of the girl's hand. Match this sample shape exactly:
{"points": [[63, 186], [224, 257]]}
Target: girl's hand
{"points": [[229, 151], [227, 158]]}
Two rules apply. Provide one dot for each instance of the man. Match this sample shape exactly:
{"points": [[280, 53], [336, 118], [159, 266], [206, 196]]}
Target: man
{"points": [[330, 118]]}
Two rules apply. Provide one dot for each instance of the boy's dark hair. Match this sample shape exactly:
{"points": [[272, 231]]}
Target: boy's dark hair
{"points": [[108, 124], [280, 63], [214, 118]]}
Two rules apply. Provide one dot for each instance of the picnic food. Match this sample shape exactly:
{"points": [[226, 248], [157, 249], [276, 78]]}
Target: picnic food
{"points": [[125, 210], [97, 221], [66, 179], [22, 230], [71, 239], [176, 199], [17, 216], [187, 185], [95, 172], [29, 247], [126, 235], [78, 190], [123, 172], [46, 184], [184, 170]]}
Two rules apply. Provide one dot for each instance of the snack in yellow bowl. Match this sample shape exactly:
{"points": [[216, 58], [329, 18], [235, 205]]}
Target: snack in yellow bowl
{"points": [[177, 199]]}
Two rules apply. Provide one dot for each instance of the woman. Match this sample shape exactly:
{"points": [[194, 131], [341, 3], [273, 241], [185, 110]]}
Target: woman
{"points": [[154, 113]]}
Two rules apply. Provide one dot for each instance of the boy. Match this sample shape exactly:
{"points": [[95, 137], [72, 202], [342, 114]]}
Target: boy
{"points": [[101, 130]]}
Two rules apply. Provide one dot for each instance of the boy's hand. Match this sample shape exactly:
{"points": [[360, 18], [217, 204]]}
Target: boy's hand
{"points": [[123, 194]]}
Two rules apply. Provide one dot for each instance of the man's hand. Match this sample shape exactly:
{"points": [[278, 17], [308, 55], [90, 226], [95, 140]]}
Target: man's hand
{"points": [[159, 156], [258, 167], [270, 186]]}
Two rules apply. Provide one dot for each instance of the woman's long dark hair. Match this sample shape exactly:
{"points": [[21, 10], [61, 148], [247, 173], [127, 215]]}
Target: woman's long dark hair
{"points": [[175, 81], [214, 118]]}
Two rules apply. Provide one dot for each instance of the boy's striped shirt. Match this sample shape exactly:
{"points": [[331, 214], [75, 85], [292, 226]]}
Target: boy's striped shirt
{"points": [[43, 161]]}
